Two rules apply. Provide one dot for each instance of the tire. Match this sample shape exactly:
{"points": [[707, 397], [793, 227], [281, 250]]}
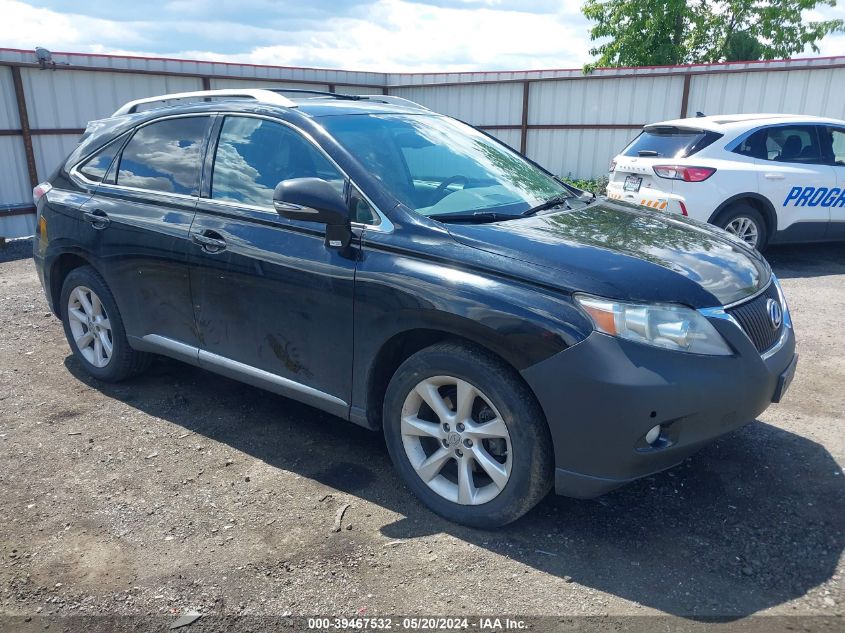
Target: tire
{"points": [[86, 322], [743, 218], [505, 423]]}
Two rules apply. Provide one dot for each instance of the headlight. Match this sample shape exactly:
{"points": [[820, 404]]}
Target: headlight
{"points": [[668, 326]]}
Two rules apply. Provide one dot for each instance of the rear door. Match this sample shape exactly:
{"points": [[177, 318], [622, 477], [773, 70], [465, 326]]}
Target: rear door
{"points": [[273, 305], [795, 177], [140, 218]]}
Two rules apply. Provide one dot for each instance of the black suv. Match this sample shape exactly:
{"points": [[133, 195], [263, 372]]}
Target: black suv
{"points": [[411, 274]]}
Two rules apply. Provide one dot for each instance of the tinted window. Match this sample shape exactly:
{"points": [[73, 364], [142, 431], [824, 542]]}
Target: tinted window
{"points": [[754, 145], [165, 156], [787, 144], [95, 168], [438, 166], [254, 155], [794, 144], [669, 142]]}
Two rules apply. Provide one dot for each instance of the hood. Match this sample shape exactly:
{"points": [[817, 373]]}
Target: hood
{"points": [[620, 252]]}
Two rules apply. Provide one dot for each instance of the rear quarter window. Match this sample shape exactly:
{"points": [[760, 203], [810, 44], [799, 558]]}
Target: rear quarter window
{"points": [[96, 167]]}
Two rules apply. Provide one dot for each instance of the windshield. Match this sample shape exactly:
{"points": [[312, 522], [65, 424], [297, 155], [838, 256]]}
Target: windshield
{"points": [[437, 166]]}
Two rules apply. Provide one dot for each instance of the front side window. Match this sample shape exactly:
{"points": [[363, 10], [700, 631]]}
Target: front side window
{"points": [[437, 166], [165, 156], [254, 155], [794, 144]]}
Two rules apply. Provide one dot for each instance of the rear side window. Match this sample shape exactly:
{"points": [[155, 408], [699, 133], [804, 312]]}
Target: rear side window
{"points": [[785, 144], [165, 156], [670, 142], [254, 155]]}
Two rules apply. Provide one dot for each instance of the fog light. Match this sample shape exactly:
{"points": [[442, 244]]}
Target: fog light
{"points": [[653, 434]]}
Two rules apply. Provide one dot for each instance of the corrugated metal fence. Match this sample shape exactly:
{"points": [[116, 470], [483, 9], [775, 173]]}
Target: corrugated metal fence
{"points": [[570, 123]]}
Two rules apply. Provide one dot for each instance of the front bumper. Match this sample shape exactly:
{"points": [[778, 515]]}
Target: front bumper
{"points": [[601, 397]]}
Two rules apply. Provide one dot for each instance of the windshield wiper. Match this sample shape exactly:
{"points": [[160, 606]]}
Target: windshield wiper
{"points": [[478, 216], [551, 203]]}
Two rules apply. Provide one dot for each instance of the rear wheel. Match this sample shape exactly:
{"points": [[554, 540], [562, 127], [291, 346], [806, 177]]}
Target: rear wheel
{"points": [[746, 223], [94, 328], [467, 436]]}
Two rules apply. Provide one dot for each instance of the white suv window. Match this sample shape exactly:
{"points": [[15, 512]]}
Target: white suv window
{"points": [[785, 144]]}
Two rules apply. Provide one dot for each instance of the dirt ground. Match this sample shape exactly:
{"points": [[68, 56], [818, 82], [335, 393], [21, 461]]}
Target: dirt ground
{"points": [[183, 490]]}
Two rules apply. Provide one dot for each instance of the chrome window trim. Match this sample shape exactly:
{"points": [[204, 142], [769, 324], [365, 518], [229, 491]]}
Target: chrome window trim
{"points": [[384, 225], [75, 173]]}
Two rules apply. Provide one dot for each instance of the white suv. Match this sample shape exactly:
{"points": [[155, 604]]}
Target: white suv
{"points": [[767, 178]]}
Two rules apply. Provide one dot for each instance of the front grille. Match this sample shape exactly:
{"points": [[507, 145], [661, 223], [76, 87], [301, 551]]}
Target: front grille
{"points": [[753, 317]]}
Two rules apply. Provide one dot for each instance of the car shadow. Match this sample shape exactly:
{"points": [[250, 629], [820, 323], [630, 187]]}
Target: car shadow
{"points": [[807, 260], [751, 522]]}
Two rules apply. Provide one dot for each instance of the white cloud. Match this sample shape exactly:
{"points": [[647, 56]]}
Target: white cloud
{"points": [[25, 26], [380, 35]]}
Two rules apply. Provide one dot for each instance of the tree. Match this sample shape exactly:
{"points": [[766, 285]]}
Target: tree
{"points": [[742, 48], [669, 32]]}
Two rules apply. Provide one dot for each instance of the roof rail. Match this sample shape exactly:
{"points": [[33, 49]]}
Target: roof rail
{"points": [[394, 100], [265, 96], [318, 93]]}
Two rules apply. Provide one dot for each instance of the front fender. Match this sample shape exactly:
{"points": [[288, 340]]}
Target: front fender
{"points": [[400, 291]]}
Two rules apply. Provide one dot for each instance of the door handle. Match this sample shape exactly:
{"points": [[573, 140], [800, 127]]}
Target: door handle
{"points": [[209, 241], [773, 176], [98, 218]]}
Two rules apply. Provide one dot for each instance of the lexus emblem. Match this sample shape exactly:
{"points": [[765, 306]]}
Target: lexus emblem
{"points": [[775, 313]]}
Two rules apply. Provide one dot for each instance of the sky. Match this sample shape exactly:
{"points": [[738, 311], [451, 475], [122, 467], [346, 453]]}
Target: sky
{"points": [[379, 35]]}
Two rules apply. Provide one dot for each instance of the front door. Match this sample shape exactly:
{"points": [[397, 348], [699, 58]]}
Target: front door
{"points": [[273, 305], [836, 228]]}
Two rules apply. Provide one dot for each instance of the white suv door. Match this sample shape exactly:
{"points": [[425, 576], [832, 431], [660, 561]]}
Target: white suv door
{"points": [[836, 230], [794, 176]]}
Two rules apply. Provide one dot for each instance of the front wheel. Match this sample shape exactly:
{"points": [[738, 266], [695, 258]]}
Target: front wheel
{"points": [[467, 435], [746, 223]]}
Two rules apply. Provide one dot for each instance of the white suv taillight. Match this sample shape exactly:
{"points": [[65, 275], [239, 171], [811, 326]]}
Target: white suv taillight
{"points": [[612, 166], [681, 172], [39, 190]]}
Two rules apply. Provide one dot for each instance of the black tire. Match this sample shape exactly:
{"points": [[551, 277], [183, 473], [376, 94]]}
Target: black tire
{"points": [[124, 361], [736, 212], [532, 465]]}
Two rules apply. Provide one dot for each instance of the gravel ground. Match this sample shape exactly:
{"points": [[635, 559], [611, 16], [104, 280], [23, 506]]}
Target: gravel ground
{"points": [[184, 490]]}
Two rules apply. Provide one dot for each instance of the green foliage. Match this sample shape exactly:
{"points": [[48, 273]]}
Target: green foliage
{"points": [[597, 186], [742, 47], [669, 32]]}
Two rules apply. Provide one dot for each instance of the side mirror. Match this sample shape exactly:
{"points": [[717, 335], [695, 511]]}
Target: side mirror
{"points": [[315, 200]]}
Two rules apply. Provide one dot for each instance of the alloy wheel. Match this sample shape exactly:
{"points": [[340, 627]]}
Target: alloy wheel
{"points": [[745, 229], [456, 440], [90, 326]]}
